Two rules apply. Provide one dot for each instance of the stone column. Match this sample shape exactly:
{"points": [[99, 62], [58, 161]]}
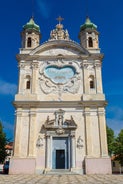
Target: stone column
{"points": [[32, 137], [102, 132], [98, 77], [17, 142], [73, 150], [48, 151], [85, 77], [34, 76], [88, 138]]}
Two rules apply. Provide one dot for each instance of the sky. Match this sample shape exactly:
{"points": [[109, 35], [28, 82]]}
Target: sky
{"points": [[106, 14]]}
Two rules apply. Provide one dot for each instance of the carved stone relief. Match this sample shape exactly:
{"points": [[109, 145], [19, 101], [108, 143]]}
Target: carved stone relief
{"points": [[59, 33], [59, 123], [87, 66], [59, 77]]}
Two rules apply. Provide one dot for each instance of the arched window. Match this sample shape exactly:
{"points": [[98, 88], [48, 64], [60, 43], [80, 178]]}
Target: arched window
{"points": [[91, 81], [29, 42], [28, 84], [91, 84], [90, 42]]}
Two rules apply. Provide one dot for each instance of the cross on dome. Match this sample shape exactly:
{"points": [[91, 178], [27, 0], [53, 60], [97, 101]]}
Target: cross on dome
{"points": [[59, 19]]}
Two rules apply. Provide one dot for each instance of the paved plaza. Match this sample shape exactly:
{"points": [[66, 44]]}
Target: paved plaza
{"points": [[61, 179]]}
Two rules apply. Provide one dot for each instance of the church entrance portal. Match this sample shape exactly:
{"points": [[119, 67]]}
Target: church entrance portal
{"points": [[60, 153]]}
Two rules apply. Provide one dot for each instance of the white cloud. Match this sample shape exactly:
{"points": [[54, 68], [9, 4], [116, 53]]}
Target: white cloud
{"points": [[43, 8], [7, 88]]}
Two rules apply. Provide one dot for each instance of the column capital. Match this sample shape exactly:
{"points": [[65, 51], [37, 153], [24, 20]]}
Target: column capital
{"points": [[47, 135], [86, 111], [101, 111], [84, 65], [34, 65], [18, 113], [72, 134], [97, 65], [21, 64], [32, 114]]}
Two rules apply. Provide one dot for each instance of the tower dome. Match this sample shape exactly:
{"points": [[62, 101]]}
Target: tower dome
{"points": [[30, 35], [88, 36], [31, 25], [88, 25]]}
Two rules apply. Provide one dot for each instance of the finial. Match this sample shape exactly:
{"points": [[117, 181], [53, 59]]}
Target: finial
{"points": [[87, 8], [32, 17], [33, 9], [59, 19]]}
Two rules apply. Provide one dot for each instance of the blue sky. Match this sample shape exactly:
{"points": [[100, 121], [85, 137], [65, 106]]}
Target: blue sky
{"points": [[107, 15]]}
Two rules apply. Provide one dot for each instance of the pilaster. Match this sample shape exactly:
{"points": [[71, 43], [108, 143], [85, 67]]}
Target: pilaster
{"points": [[32, 130], [17, 142], [34, 76], [85, 77], [48, 151], [102, 132], [73, 150], [21, 77], [98, 77], [88, 135]]}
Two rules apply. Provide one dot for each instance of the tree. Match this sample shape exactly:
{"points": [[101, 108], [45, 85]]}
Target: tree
{"points": [[110, 140], [119, 148], [3, 142]]}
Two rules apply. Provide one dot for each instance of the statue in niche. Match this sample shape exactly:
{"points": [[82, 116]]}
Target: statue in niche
{"points": [[79, 142], [60, 120], [39, 142]]}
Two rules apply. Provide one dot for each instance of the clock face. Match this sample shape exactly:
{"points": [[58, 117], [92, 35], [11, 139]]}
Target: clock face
{"points": [[59, 74]]}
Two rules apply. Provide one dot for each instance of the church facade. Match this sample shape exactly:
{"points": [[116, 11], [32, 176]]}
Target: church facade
{"points": [[60, 104]]}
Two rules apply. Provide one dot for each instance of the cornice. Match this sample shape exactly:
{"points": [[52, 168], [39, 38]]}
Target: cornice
{"points": [[63, 104], [27, 57]]}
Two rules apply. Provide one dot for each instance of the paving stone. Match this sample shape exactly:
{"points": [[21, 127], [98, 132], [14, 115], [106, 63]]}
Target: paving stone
{"points": [[61, 179]]}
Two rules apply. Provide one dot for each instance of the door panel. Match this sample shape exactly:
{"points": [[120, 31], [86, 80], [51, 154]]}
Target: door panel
{"points": [[60, 159]]}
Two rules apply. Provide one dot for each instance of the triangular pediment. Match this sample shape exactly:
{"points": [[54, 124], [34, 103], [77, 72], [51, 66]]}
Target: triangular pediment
{"points": [[59, 48]]}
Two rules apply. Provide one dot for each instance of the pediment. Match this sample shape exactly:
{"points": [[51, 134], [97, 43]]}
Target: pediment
{"points": [[59, 48]]}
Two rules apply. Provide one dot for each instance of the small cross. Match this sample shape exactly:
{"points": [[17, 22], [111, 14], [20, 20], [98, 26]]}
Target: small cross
{"points": [[60, 19]]}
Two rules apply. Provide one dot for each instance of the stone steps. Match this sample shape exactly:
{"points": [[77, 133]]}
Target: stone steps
{"points": [[60, 172]]}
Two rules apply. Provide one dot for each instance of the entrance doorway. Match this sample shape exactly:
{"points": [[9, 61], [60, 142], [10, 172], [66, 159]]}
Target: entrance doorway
{"points": [[60, 159], [60, 153]]}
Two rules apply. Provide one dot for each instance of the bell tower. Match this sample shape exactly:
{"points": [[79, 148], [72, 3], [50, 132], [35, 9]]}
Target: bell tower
{"points": [[30, 35], [89, 36]]}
